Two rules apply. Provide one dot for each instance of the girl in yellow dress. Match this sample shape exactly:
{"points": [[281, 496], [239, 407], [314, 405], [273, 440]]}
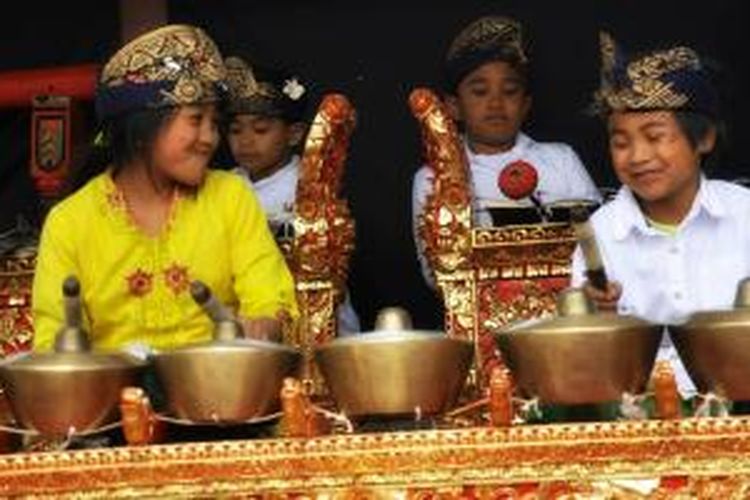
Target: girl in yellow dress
{"points": [[156, 218]]}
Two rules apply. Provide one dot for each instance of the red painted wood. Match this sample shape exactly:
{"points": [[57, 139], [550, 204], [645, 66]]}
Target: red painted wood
{"points": [[17, 87]]}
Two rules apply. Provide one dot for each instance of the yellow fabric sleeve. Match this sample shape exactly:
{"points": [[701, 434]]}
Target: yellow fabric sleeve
{"points": [[56, 261], [262, 281]]}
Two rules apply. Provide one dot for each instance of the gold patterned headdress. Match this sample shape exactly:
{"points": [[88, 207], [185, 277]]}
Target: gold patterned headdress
{"points": [[671, 79], [486, 39], [170, 66], [276, 95]]}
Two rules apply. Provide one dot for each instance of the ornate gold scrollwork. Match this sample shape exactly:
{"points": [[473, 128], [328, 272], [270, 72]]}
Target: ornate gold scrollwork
{"points": [[445, 223], [687, 458], [16, 326], [323, 227], [488, 277]]}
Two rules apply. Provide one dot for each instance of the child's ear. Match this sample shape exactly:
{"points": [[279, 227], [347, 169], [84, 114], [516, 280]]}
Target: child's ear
{"points": [[454, 110], [297, 133], [708, 142]]}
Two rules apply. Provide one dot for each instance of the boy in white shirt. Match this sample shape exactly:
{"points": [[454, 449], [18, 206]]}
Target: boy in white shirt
{"points": [[672, 241], [266, 127], [487, 93]]}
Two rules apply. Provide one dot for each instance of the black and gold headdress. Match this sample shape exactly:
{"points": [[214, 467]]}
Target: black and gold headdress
{"points": [[172, 65], [672, 79], [486, 39], [277, 95]]}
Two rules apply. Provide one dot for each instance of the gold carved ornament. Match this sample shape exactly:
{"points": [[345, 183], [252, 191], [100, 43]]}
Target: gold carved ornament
{"points": [[488, 277], [323, 226], [688, 458], [445, 224], [16, 326]]}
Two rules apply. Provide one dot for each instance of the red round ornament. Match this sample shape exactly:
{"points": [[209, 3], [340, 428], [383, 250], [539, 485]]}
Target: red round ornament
{"points": [[518, 180]]}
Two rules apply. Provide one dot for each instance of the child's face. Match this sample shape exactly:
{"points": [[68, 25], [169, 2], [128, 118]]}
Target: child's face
{"points": [[186, 143], [261, 145], [652, 155], [492, 103]]}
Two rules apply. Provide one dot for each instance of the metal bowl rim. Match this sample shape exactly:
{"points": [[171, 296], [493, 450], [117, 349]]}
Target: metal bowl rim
{"points": [[595, 321], [714, 319], [37, 361], [390, 337], [229, 346], [587, 330]]}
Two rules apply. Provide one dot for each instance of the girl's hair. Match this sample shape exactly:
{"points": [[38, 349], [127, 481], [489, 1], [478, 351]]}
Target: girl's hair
{"points": [[696, 127], [118, 142]]}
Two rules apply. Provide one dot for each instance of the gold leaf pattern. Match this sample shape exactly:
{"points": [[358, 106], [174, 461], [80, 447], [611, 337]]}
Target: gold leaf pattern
{"points": [[647, 88], [178, 54]]}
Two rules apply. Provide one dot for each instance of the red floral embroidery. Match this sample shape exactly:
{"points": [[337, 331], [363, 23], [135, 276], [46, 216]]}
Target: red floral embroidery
{"points": [[518, 180], [140, 283], [177, 278]]}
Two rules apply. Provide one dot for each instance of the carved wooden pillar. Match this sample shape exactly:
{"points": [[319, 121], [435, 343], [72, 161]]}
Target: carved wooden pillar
{"points": [[488, 277], [445, 224], [323, 231]]}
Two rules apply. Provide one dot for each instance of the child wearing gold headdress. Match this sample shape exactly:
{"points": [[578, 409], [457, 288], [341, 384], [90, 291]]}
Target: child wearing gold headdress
{"points": [[154, 217], [266, 129], [487, 92], [266, 115], [673, 242]]}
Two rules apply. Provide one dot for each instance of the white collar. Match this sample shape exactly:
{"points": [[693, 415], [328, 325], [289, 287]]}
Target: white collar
{"points": [[522, 143], [289, 169], [629, 217]]}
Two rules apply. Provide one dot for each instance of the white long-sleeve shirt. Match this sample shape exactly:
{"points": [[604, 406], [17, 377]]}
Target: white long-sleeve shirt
{"points": [[277, 194], [664, 277], [562, 176]]}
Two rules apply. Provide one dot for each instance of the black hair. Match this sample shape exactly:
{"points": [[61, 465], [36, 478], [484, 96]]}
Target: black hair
{"points": [[697, 127], [696, 124], [456, 69], [133, 136], [119, 141]]}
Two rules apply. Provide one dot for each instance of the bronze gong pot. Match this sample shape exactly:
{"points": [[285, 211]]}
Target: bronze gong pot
{"points": [[395, 371], [71, 389], [715, 347], [580, 356], [229, 379]]}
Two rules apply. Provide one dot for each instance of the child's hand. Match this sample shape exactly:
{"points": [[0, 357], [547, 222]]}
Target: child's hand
{"points": [[604, 300], [262, 328]]}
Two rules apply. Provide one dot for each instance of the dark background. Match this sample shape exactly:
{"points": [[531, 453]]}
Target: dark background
{"points": [[376, 54]]}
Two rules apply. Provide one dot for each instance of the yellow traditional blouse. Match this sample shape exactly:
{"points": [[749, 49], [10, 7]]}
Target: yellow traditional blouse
{"points": [[135, 288]]}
